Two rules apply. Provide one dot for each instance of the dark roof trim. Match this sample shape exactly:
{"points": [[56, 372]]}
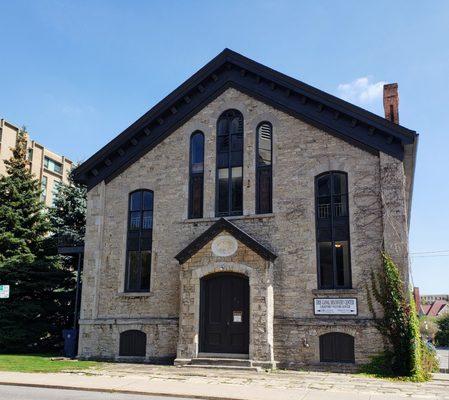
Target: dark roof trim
{"points": [[218, 227], [230, 69]]}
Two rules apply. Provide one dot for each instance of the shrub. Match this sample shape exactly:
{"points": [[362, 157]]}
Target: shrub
{"points": [[442, 336], [428, 327], [380, 365], [415, 343], [429, 361]]}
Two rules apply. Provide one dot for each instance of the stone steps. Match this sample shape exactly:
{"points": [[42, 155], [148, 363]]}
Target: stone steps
{"points": [[226, 367], [232, 362], [241, 364]]}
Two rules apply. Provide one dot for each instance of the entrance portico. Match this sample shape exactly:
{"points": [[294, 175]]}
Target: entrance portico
{"points": [[226, 297]]}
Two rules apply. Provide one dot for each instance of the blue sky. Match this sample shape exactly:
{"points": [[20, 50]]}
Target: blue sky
{"points": [[77, 73]]}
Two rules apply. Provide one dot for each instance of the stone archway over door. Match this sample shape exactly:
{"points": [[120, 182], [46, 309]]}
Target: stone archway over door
{"points": [[224, 313]]}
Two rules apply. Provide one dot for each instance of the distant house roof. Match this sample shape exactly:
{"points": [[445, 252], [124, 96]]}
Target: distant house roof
{"points": [[435, 309], [230, 69], [425, 308]]}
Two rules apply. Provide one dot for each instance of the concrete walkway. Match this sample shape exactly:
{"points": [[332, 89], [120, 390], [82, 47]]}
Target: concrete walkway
{"points": [[443, 357], [225, 384]]}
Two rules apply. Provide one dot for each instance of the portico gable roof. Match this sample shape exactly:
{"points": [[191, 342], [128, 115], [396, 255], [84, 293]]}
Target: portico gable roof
{"points": [[218, 227]]}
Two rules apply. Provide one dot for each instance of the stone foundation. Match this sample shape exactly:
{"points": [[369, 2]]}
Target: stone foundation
{"points": [[296, 342], [100, 340]]}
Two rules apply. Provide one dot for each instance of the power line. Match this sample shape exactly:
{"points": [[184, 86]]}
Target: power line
{"points": [[431, 255], [430, 252]]}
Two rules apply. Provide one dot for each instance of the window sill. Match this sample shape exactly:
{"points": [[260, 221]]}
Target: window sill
{"points": [[135, 294], [340, 292], [334, 363], [230, 218], [51, 172]]}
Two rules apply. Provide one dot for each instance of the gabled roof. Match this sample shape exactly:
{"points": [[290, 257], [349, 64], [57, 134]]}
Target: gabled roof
{"points": [[218, 227], [230, 69], [426, 308], [435, 308]]}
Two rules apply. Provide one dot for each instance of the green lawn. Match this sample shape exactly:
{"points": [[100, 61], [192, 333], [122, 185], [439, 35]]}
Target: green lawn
{"points": [[41, 363]]}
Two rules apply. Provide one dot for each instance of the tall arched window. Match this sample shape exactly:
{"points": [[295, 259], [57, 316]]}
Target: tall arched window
{"points": [[332, 225], [196, 180], [264, 169], [139, 241], [337, 347], [133, 343], [229, 187]]}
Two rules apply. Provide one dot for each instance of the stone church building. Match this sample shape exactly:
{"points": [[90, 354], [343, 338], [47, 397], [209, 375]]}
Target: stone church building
{"points": [[240, 219]]}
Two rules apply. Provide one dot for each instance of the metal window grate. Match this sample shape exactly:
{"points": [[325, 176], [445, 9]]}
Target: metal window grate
{"points": [[133, 343]]}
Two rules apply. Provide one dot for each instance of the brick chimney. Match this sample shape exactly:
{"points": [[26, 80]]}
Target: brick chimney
{"points": [[391, 102]]}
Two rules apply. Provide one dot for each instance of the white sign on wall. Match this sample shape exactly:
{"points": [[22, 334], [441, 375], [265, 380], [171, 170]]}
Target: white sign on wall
{"points": [[4, 291], [237, 316], [335, 306]]}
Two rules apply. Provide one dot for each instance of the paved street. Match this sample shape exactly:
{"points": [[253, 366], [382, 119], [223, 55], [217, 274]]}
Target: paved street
{"points": [[152, 380], [443, 356], [29, 393]]}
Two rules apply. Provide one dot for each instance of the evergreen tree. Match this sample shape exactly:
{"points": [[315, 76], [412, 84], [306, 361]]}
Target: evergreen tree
{"points": [[68, 221], [31, 318], [68, 214], [22, 223]]}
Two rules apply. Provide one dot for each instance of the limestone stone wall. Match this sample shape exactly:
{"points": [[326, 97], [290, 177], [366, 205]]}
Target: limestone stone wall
{"points": [[300, 152], [100, 339], [297, 340], [395, 219]]}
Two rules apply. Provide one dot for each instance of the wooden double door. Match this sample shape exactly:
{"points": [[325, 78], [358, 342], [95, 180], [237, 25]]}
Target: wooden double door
{"points": [[224, 313]]}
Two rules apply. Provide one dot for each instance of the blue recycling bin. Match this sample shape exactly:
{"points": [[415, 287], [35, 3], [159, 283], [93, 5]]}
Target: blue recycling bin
{"points": [[70, 342]]}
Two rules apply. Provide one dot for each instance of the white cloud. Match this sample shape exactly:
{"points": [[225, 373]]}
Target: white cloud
{"points": [[361, 90]]}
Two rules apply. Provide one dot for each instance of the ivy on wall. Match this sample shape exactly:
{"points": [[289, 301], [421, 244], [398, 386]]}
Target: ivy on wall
{"points": [[405, 354]]}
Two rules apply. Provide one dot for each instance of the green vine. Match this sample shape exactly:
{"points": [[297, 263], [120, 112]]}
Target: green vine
{"points": [[405, 355]]}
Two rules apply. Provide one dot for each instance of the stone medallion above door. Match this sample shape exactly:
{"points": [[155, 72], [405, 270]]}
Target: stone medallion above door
{"points": [[226, 297]]}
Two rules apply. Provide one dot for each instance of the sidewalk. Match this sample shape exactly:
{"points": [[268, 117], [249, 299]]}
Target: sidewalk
{"points": [[443, 356], [223, 384]]}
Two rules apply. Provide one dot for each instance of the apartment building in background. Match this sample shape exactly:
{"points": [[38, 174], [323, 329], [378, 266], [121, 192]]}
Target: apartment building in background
{"points": [[50, 168], [430, 298]]}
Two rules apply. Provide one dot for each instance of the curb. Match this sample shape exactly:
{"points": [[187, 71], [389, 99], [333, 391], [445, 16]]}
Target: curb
{"points": [[134, 392]]}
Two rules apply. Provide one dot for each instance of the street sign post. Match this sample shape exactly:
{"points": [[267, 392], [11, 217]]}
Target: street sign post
{"points": [[4, 291]]}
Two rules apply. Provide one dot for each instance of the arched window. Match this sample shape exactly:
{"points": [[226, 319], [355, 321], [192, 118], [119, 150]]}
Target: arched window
{"points": [[332, 225], [133, 343], [196, 171], [139, 241], [264, 169], [337, 347], [229, 187]]}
